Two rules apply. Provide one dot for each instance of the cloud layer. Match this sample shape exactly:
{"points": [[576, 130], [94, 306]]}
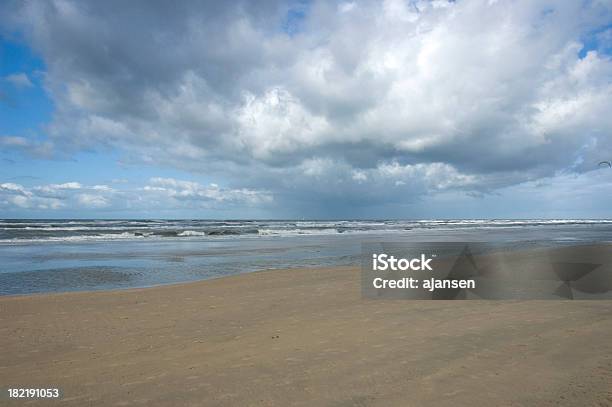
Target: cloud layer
{"points": [[329, 101], [157, 194]]}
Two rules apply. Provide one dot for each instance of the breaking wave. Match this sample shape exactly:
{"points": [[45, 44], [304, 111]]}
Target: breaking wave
{"points": [[28, 231]]}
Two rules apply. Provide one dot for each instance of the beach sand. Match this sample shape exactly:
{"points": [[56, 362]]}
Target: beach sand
{"points": [[303, 337]]}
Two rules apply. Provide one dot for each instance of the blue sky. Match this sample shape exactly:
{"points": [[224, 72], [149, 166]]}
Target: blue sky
{"points": [[394, 109], [25, 107], [26, 110]]}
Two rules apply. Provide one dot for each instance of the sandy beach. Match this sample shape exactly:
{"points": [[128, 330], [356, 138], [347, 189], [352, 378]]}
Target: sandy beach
{"points": [[303, 337]]}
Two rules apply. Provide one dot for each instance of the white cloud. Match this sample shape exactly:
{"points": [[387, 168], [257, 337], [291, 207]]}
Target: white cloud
{"points": [[277, 123], [20, 201], [16, 195], [360, 176], [426, 97], [67, 185], [158, 194], [193, 191], [41, 149], [436, 176], [92, 201], [56, 190], [14, 188], [20, 80]]}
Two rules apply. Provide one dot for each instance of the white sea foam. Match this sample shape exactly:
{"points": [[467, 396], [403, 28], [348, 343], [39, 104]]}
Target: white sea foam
{"points": [[291, 232], [29, 231], [191, 233]]}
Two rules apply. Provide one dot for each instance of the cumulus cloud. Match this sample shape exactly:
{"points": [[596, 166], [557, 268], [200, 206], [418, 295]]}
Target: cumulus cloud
{"points": [[17, 196], [40, 149], [59, 191], [193, 191], [158, 193], [53, 196], [15, 189], [418, 96], [92, 201]]}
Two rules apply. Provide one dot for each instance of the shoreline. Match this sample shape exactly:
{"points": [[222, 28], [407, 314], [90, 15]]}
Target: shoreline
{"points": [[162, 285], [498, 251]]}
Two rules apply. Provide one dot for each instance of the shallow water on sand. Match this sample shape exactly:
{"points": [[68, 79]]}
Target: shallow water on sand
{"points": [[35, 266]]}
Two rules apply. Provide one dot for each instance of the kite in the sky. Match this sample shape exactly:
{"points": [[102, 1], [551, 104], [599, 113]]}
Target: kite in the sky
{"points": [[604, 163]]}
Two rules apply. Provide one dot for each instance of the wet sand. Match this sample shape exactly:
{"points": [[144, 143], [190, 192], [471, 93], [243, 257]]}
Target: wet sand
{"points": [[304, 338]]}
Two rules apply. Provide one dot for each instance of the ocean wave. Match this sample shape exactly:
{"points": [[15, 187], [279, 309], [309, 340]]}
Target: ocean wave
{"points": [[27, 231], [191, 233], [302, 231], [77, 238]]}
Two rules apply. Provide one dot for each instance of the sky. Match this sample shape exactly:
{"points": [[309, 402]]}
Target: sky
{"points": [[305, 109]]}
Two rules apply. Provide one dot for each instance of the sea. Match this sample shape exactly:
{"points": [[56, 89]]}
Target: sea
{"points": [[59, 255]]}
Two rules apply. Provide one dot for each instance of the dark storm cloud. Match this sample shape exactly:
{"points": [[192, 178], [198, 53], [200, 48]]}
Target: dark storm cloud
{"points": [[330, 101]]}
